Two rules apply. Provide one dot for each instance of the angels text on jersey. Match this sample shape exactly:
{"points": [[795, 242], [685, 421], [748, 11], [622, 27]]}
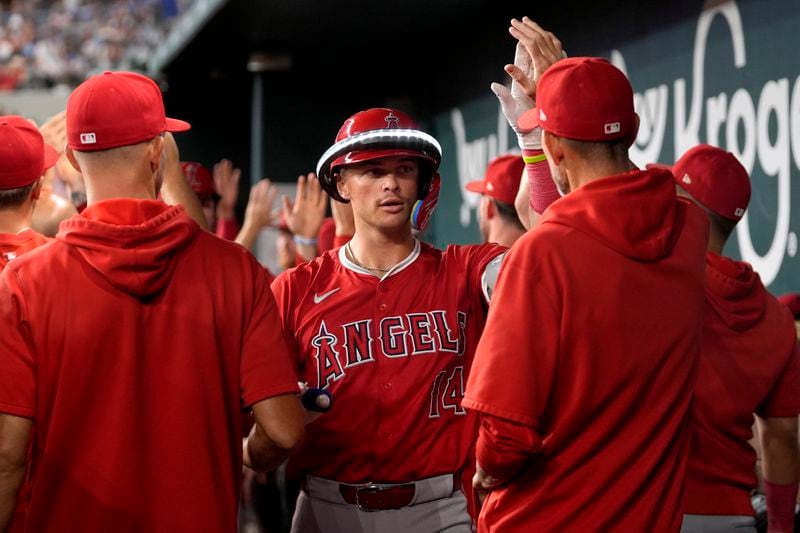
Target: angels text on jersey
{"points": [[340, 350]]}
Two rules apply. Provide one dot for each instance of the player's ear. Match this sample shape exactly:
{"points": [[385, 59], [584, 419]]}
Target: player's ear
{"points": [[491, 208], [632, 137], [71, 158], [36, 191], [553, 148], [341, 185], [154, 152]]}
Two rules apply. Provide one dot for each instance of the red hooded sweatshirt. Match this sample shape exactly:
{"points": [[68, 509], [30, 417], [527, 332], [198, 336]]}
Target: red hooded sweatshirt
{"points": [[749, 365], [13, 245], [585, 371], [133, 342]]}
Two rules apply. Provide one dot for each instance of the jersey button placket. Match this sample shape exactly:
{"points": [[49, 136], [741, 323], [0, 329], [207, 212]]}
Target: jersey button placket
{"points": [[380, 291], [382, 310]]}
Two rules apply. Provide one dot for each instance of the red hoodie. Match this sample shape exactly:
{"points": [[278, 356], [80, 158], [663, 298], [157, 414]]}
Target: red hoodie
{"points": [[585, 370], [134, 341], [749, 365], [13, 245]]}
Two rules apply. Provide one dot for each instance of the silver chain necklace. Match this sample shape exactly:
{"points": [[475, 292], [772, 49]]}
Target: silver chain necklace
{"points": [[352, 257]]}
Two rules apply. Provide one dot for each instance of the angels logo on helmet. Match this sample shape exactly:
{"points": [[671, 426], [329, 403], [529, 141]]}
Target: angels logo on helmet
{"points": [[392, 121]]}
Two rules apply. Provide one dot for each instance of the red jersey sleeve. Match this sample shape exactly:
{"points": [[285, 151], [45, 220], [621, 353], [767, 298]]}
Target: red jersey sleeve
{"points": [[514, 367], [503, 447], [341, 240], [476, 259], [266, 368], [284, 295], [784, 400], [17, 360], [227, 228]]}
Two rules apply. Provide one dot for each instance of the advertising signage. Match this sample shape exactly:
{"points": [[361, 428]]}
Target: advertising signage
{"points": [[729, 77]]}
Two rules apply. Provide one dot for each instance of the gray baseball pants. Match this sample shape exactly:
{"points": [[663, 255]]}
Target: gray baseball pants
{"points": [[436, 507], [695, 523]]}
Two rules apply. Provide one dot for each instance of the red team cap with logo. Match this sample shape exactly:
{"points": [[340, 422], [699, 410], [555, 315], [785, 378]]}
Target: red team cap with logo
{"points": [[716, 179], [24, 156], [199, 179], [116, 109], [583, 98], [502, 179]]}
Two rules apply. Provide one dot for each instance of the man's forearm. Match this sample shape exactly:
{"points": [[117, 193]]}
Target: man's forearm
{"points": [[14, 434], [780, 450], [10, 480], [248, 236], [307, 251], [176, 191], [780, 460], [261, 453]]}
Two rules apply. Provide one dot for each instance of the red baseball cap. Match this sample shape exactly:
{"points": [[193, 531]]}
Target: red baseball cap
{"points": [[116, 109], [199, 178], [24, 156], [502, 179], [715, 178], [583, 98]]}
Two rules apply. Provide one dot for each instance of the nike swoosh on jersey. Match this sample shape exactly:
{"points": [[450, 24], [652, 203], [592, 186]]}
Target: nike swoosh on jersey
{"points": [[319, 297]]}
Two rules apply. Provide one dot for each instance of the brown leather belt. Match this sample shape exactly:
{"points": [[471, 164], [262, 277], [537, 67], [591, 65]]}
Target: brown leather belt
{"points": [[373, 497]]}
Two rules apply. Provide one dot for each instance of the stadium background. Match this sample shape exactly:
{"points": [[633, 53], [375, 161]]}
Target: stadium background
{"points": [[280, 76]]}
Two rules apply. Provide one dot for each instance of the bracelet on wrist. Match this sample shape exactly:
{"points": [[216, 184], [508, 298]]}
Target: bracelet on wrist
{"points": [[302, 241], [532, 159]]}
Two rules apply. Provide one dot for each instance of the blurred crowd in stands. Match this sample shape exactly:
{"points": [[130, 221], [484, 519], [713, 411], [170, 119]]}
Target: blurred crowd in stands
{"points": [[45, 43]]}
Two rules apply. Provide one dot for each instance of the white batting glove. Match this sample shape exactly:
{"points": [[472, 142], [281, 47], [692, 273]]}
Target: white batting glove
{"points": [[515, 102]]}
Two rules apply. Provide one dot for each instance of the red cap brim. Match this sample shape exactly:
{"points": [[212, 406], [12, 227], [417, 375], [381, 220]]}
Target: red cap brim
{"points": [[529, 119], [476, 186], [658, 166], [173, 124], [50, 156]]}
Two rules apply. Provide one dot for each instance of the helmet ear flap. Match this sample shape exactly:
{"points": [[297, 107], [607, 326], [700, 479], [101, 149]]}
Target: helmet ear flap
{"points": [[425, 178], [423, 208]]}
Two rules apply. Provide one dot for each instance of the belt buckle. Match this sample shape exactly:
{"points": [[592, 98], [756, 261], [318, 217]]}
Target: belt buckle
{"points": [[369, 488]]}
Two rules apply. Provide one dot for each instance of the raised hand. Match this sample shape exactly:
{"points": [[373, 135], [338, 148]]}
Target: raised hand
{"points": [[305, 214], [226, 181], [536, 50], [515, 102], [54, 131], [543, 48], [259, 213]]}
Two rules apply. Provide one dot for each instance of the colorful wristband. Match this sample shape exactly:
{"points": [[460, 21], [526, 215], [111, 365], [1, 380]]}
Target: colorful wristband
{"points": [[531, 159], [302, 241], [780, 505]]}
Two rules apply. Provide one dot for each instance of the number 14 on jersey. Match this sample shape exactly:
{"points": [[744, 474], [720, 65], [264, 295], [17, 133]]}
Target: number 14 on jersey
{"points": [[447, 392]]}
